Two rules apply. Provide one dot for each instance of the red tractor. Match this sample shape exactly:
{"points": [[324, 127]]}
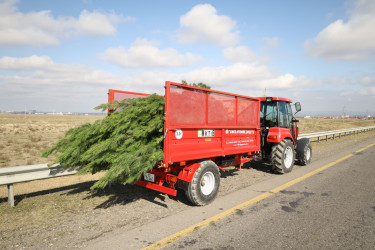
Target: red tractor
{"points": [[207, 130], [279, 135]]}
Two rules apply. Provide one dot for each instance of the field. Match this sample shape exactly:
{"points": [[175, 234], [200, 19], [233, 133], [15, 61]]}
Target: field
{"points": [[63, 212], [24, 137], [318, 125]]}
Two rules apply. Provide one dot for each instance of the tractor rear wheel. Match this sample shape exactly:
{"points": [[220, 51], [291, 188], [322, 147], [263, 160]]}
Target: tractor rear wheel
{"points": [[205, 184], [303, 151], [282, 156]]}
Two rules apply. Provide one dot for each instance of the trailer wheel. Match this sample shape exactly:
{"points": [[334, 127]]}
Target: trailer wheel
{"points": [[303, 151], [205, 184], [282, 156]]}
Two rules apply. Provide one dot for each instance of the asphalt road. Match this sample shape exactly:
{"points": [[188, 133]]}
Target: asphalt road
{"points": [[334, 209], [327, 204]]}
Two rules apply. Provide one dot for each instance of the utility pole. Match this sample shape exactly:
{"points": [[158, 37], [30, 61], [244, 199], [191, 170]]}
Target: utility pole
{"points": [[343, 114]]}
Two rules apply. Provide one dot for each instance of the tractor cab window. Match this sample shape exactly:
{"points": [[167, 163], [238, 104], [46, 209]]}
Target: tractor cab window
{"points": [[268, 114], [286, 115], [276, 114]]}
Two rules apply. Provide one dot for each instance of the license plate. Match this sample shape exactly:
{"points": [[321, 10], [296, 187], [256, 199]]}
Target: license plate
{"points": [[206, 132], [149, 177]]}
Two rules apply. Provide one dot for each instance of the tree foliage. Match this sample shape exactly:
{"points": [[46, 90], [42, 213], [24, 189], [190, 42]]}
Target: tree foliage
{"points": [[200, 84], [126, 144]]}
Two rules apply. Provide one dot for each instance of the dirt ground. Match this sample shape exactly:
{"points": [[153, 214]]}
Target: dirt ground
{"points": [[64, 213]]}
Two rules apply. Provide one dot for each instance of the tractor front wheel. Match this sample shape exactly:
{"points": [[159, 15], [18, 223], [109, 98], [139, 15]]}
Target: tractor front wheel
{"points": [[282, 156]]}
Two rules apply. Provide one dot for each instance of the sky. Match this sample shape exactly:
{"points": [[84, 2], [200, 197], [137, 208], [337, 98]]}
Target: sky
{"points": [[63, 56]]}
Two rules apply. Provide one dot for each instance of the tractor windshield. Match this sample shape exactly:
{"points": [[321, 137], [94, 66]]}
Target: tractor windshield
{"points": [[270, 117], [268, 114]]}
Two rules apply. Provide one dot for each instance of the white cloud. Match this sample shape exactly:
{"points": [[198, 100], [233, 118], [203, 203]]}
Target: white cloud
{"points": [[88, 23], [146, 54], [37, 82], [367, 92], [42, 70], [270, 43], [337, 81], [367, 80], [203, 24], [242, 54], [252, 75], [42, 29], [25, 63], [351, 40]]}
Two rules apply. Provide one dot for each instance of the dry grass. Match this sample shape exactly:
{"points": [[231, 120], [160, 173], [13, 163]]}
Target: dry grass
{"points": [[318, 125], [24, 137]]}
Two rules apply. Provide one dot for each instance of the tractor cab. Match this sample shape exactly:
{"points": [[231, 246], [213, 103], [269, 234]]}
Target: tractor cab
{"points": [[276, 112], [280, 132]]}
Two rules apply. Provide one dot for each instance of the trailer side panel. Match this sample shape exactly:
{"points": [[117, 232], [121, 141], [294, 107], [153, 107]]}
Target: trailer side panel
{"points": [[201, 123]]}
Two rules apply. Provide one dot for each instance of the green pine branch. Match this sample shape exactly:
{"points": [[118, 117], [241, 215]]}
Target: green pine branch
{"points": [[125, 144]]}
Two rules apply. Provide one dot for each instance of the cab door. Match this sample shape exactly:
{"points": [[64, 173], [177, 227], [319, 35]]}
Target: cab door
{"points": [[286, 117]]}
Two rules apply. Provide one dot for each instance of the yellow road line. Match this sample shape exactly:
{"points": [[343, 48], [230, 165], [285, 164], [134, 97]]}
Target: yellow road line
{"points": [[194, 228]]}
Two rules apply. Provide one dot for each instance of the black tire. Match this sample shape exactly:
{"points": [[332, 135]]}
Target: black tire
{"points": [[282, 156], [205, 184], [303, 152]]}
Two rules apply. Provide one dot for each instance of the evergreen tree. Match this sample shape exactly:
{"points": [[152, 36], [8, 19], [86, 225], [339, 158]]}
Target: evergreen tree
{"points": [[126, 144], [200, 84]]}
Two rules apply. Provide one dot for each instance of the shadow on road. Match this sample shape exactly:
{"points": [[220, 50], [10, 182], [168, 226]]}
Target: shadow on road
{"points": [[117, 194], [260, 166]]}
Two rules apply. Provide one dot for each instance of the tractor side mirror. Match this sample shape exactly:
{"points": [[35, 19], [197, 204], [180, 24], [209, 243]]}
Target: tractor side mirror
{"points": [[297, 105]]}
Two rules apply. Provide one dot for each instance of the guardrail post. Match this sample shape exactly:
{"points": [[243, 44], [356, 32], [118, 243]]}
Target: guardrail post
{"points": [[10, 195]]}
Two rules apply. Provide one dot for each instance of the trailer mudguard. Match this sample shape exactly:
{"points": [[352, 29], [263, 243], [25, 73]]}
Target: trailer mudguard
{"points": [[187, 173]]}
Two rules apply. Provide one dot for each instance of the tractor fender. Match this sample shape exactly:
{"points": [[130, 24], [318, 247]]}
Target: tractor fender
{"points": [[276, 135]]}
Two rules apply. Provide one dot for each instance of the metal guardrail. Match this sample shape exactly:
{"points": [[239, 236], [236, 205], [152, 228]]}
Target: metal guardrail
{"points": [[336, 133], [12, 175]]}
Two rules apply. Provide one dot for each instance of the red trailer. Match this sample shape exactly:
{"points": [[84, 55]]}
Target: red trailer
{"points": [[204, 131]]}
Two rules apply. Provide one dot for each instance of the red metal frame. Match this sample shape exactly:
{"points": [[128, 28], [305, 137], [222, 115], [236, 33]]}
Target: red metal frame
{"points": [[112, 92], [160, 188], [263, 98]]}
